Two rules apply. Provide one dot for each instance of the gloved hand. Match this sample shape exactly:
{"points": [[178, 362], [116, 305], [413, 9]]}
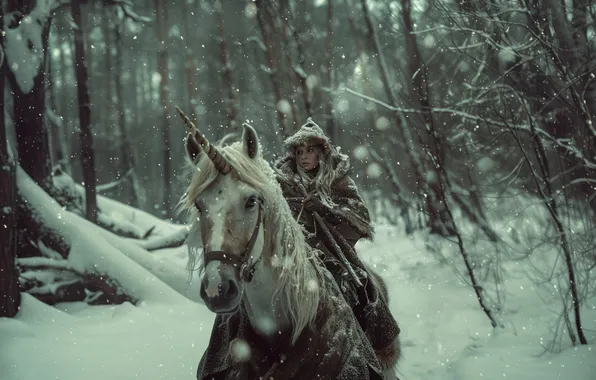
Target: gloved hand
{"points": [[312, 203]]}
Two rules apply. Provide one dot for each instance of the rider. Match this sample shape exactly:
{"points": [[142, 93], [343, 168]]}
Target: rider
{"points": [[325, 200]]}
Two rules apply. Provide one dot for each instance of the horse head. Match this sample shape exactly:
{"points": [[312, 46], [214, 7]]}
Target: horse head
{"points": [[229, 214]]}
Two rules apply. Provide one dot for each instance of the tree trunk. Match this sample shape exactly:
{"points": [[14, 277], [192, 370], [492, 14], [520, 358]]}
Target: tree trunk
{"points": [[29, 109], [228, 79], [368, 87], [191, 63], [87, 154], [161, 16], [299, 69], [330, 125], [10, 297], [266, 26], [126, 149], [63, 112], [106, 116]]}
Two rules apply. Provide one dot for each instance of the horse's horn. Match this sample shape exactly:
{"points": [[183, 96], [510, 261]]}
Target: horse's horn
{"points": [[216, 157]]}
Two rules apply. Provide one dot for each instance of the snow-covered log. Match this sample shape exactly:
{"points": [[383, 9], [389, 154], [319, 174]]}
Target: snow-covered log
{"points": [[114, 216], [175, 239], [93, 249], [52, 281]]}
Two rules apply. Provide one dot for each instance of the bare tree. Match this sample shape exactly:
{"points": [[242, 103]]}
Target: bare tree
{"points": [[439, 221], [329, 70], [191, 61], [62, 126], [126, 149], [10, 297], [106, 116], [266, 25], [161, 16], [298, 65], [87, 153], [29, 101], [226, 64], [542, 178]]}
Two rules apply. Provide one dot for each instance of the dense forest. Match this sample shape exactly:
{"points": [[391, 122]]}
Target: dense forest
{"points": [[449, 109]]}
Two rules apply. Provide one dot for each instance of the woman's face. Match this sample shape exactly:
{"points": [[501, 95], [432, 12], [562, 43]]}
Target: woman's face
{"points": [[307, 157]]}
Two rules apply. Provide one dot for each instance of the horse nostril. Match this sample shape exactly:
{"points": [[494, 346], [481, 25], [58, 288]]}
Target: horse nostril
{"points": [[232, 289]]}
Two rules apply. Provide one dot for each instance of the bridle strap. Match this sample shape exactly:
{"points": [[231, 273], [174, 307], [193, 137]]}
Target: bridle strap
{"points": [[240, 260]]}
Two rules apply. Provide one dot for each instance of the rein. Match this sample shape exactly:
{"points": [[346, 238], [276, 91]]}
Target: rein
{"points": [[241, 260]]}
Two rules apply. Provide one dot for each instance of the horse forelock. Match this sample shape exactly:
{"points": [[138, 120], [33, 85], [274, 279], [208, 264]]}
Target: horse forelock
{"points": [[285, 248]]}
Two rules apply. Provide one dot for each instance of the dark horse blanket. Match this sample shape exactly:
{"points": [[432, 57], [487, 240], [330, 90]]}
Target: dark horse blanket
{"points": [[334, 348]]}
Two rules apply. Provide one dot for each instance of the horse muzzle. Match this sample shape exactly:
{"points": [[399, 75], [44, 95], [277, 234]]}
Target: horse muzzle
{"points": [[222, 298], [225, 293]]}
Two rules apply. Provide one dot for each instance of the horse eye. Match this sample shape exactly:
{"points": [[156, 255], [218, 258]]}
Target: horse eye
{"points": [[251, 202]]}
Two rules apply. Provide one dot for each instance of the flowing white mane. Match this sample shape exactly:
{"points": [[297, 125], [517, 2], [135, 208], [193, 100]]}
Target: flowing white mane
{"points": [[285, 251]]}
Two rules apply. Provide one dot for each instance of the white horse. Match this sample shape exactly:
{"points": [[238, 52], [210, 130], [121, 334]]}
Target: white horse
{"points": [[280, 313]]}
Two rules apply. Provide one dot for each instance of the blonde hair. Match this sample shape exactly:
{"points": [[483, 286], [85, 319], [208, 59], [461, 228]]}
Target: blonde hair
{"points": [[326, 174]]}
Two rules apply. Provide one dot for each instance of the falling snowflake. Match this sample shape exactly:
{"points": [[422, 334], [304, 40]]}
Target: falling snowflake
{"points": [[312, 81], [265, 325], [382, 123], [485, 164], [312, 285], [250, 10], [506, 55], [360, 153], [430, 176], [429, 41], [284, 106], [342, 105], [240, 350], [374, 170]]}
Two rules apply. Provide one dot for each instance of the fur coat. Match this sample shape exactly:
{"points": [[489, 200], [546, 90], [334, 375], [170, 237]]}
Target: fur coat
{"points": [[350, 219]]}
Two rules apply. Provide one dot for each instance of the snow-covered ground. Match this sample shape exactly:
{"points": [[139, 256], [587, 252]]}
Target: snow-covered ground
{"points": [[445, 335]]}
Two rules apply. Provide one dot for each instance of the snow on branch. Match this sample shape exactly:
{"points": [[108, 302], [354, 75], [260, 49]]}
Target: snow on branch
{"points": [[112, 185], [24, 42], [566, 144]]}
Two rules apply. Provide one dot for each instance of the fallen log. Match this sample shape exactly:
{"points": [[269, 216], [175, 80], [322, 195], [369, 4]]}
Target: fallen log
{"points": [[171, 241], [53, 281], [70, 196], [99, 257]]}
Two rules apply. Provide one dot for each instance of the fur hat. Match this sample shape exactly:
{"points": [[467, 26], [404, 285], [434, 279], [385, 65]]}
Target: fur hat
{"points": [[309, 134]]}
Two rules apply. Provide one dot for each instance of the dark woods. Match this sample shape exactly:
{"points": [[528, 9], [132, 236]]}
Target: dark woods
{"points": [[446, 107]]}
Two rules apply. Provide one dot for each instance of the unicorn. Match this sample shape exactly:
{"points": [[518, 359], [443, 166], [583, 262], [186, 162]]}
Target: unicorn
{"points": [[280, 314]]}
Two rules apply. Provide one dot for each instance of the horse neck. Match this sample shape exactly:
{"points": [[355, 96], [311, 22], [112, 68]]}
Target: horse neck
{"points": [[265, 306], [284, 299]]}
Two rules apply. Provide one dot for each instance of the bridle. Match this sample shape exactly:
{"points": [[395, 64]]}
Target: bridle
{"points": [[240, 261]]}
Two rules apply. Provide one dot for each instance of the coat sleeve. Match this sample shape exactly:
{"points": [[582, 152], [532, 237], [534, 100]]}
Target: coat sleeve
{"points": [[350, 210]]}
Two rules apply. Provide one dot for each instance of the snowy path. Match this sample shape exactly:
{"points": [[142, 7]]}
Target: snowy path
{"points": [[444, 333]]}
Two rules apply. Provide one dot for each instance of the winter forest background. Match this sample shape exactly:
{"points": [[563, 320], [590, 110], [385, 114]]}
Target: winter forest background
{"points": [[471, 126]]}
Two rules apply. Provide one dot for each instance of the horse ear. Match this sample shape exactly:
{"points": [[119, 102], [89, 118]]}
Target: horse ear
{"points": [[250, 141], [193, 149]]}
